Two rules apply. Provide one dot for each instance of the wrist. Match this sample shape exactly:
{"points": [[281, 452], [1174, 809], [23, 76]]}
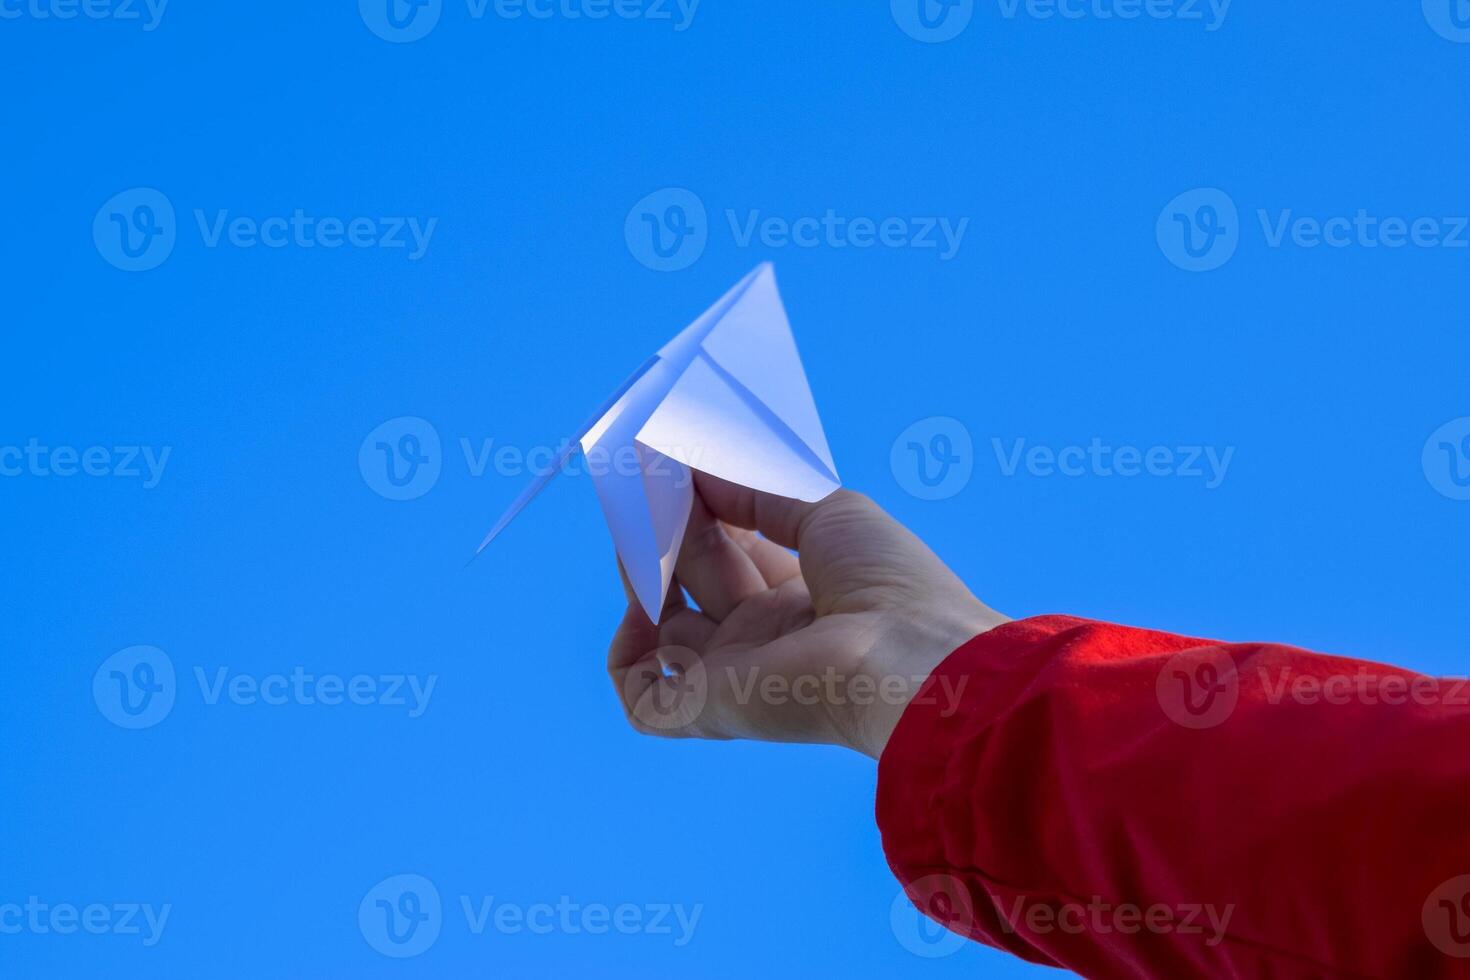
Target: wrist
{"points": [[908, 650]]}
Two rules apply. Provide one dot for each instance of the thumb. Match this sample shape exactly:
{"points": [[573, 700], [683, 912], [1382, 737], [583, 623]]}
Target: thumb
{"points": [[846, 542]]}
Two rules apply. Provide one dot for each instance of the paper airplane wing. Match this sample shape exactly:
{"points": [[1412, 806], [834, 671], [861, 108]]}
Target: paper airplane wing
{"points": [[543, 479], [645, 496], [727, 396], [741, 409]]}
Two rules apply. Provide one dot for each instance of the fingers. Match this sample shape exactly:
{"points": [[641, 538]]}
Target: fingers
{"points": [[673, 601], [662, 673], [851, 552], [728, 695], [674, 692], [718, 573], [686, 628], [797, 524], [665, 693], [776, 564], [777, 518], [678, 626], [651, 665], [843, 522], [636, 635]]}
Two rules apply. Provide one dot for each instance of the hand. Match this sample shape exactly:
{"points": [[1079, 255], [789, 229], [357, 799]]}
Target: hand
{"points": [[828, 646]]}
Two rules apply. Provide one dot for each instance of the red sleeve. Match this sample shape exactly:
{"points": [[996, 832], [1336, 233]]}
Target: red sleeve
{"points": [[1124, 803]]}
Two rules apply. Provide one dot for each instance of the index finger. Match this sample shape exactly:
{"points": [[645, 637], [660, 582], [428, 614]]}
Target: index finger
{"points": [[842, 524], [781, 519]]}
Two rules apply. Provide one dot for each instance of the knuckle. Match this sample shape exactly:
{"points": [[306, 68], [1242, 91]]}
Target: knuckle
{"points": [[707, 541], [842, 508], [850, 500]]}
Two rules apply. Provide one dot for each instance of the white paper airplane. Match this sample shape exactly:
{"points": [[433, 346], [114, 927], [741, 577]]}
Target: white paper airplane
{"points": [[728, 397]]}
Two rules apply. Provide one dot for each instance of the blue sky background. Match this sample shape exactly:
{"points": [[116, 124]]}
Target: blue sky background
{"points": [[264, 546]]}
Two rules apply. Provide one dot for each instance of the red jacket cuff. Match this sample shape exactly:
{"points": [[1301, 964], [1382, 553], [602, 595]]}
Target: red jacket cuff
{"points": [[927, 773]]}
